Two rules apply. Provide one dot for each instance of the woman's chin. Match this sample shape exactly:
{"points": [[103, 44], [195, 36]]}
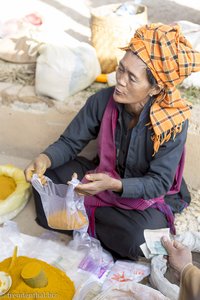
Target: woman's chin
{"points": [[118, 98]]}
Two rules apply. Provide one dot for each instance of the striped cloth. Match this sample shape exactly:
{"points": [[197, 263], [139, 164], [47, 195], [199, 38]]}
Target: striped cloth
{"points": [[170, 58]]}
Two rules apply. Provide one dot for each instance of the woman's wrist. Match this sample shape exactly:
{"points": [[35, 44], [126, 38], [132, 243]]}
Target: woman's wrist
{"points": [[116, 185], [46, 159]]}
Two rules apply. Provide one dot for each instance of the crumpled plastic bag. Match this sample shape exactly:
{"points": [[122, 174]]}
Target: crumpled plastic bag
{"points": [[97, 261], [126, 271], [63, 207]]}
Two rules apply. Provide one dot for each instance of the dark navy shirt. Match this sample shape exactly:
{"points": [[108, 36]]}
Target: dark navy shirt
{"points": [[143, 175]]}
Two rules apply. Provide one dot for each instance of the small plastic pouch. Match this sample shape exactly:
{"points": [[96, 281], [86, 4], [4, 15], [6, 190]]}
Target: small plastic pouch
{"points": [[63, 207]]}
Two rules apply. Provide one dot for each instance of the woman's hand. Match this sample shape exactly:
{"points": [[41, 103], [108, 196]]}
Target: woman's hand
{"points": [[37, 166], [99, 182]]}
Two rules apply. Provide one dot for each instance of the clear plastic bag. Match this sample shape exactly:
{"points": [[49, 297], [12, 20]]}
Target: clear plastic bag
{"points": [[125, 271], [63, 207], [96, 264], [97, 261]]}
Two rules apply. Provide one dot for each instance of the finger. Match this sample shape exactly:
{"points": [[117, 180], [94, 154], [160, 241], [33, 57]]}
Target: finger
{"points": [[85, 186], [167, 244], [86, 189], [94, 176], [178, 245], [40, 169], [43, 180], [29, 173], [81, 193], [74, 176]]}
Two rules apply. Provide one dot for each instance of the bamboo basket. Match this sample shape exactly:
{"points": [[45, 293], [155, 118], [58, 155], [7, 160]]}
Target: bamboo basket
{"points": [[109, 32]]}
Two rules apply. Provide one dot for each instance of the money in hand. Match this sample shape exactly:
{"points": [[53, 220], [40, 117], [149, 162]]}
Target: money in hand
{"points": [[153, 242]]}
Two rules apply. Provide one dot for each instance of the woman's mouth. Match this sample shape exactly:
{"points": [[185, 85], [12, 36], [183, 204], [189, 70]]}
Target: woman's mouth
{"points": [[118, 92]]}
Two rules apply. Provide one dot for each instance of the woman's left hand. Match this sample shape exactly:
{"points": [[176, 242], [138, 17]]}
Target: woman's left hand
{"points": [[98, 182]]}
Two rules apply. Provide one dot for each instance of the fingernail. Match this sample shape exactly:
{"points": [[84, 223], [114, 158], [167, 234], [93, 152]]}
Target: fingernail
{"points": [[88, 176], [165, 239]]}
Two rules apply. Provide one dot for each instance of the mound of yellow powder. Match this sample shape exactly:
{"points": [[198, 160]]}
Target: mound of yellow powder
{"points": [[62, 220], [59, 286], [7, 186]]}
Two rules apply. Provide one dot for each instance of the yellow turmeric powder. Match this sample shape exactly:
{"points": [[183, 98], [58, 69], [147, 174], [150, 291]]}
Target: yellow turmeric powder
{"points": [[62, 220], [7, 186], [59, 286], [33, 275]]}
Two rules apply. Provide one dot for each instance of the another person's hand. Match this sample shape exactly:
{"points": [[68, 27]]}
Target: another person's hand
{"points": [[37, 166], [179, 255], [98, 182]]}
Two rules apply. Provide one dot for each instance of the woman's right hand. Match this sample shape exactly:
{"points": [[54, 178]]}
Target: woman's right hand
{"points": [[37, 166]]}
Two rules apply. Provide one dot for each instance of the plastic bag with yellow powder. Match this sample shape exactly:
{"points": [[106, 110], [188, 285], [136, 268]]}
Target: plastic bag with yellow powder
{"points": [[63, 207], [14, 192]]}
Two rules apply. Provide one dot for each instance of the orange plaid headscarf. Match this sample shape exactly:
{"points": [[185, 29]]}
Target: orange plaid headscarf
{"points": [[171, 59]]}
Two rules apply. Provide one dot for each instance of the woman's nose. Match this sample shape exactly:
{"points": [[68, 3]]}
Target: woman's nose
{"points": [[122, 79]]}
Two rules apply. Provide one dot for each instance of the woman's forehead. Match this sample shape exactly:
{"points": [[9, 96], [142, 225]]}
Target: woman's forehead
{"points": [[132, 59], [132, 62]]}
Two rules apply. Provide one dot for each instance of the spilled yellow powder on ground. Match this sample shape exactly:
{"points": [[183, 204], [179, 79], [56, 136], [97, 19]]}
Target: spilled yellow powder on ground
{"points": [[7, 186], [59, 286]]}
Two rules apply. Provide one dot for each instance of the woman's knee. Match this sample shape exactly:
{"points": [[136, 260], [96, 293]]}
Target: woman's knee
{"points": [[124, 243], [130, 244]]}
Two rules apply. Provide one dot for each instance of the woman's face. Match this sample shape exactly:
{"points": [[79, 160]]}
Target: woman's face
{"points": [[132, 85]]}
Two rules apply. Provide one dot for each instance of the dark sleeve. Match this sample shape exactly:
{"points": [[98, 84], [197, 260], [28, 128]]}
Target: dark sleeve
{"points": [[159, 178], [83, 128]]}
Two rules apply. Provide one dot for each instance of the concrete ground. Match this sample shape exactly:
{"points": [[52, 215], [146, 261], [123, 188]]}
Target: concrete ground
{"points": [[24, 133], [27, 128]]}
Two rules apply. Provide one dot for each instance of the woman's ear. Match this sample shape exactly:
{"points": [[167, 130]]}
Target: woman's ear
{"points": [[155, 90]]}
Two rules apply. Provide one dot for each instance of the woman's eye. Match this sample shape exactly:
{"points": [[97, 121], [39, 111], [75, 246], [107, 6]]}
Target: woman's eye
{"points": [[120, 69]]}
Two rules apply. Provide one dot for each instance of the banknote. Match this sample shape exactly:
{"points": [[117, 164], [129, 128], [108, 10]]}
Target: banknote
{"points": [[146, 251], [153, 240]]}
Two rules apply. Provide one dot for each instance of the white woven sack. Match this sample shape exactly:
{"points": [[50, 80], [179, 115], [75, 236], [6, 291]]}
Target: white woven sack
{"points": [[130, 291], [62, 71], [192, 32]]}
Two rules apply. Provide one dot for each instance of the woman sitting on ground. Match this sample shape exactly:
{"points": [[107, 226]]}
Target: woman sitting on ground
{"points": [[135, 182]]}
